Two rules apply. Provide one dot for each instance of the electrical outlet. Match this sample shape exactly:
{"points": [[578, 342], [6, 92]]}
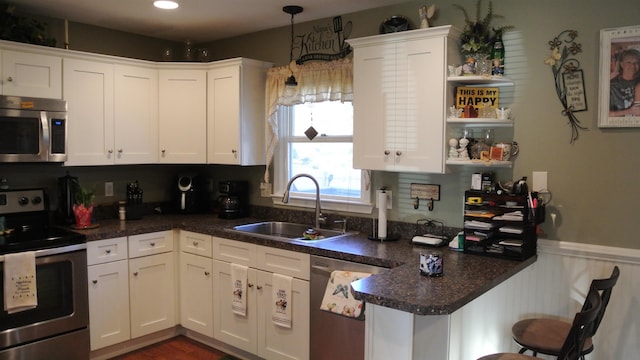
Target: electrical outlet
{"points": [[265, 189], [108, 188]]}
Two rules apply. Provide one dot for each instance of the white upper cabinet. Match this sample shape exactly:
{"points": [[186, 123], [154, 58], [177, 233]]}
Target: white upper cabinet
{"points": [[88, 90], [183, 116], [136, 114], [31, 74], [399, 100], [235, 112]]}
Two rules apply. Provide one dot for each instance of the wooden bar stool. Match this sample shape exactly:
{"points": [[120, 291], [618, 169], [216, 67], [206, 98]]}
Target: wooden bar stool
{"points": [[546, 336], [579, 331]]}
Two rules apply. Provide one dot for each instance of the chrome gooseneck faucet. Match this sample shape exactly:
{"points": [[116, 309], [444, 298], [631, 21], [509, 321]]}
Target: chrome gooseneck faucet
{"points": [[285, 196]]}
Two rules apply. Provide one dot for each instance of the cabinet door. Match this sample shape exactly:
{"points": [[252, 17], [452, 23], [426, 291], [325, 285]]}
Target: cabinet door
{"points": [[108, 303], [88, 90], [223, 115], [229, 327], [277, 342], [136, 115], [374, 107], [196, 293], [29, 74], [420, 104], [183, 116], [152, 294]]}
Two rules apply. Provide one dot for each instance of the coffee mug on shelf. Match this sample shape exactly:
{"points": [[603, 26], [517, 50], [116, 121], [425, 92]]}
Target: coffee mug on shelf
{"points": [[509, 150]]}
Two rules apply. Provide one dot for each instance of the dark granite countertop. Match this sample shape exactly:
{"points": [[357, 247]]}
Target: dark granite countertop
{"points": [[400, 287]]}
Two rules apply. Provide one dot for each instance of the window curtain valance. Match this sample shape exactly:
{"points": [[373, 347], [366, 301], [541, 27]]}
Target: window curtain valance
{"points": [[317, 82]]}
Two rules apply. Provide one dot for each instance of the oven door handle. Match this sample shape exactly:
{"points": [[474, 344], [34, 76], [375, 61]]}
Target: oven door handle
{"points": [[56, 250]]}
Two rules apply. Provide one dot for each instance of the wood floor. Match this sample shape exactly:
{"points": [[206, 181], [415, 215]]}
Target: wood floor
{"points": [[178, 348]]}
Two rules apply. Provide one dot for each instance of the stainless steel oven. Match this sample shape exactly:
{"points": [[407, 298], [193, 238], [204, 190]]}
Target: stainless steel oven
{"points": [[33, 129], [58, 327]]}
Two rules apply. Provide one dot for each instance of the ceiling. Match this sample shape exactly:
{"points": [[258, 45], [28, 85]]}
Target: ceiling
{"points": [[196, 20]]}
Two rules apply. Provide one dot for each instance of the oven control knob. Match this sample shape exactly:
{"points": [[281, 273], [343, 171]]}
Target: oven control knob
{"points": [[36, 200], [23, 200]]}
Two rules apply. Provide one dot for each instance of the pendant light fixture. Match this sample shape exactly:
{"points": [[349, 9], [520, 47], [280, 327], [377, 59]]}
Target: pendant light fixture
{"points": [[291, 10]]}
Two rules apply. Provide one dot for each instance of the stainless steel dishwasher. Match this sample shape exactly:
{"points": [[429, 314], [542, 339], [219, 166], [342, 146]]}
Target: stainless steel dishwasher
{"points": [[334, 336]]}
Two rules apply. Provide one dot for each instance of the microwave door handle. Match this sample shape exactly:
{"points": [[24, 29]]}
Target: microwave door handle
{"points": [[44, 135]]}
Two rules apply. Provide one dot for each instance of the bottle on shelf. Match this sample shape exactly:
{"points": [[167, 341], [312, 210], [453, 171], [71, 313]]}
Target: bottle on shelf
{"points": [[497, 56]]}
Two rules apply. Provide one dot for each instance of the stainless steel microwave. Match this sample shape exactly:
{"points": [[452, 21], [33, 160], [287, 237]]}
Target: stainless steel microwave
{"points": [[33, 129]]}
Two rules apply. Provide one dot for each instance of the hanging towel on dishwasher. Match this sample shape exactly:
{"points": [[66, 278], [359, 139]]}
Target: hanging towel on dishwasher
{"points": [[20, 291], [281, 297], [239, 289], [337, 296]]}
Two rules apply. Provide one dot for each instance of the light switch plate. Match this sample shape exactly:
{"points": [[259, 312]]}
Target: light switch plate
{"points": [[108, 188]]}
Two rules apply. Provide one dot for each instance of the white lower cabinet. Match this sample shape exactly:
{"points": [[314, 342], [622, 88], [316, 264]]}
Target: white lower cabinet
{"points": [[108, 292], [255, 332], [196, 286], [152, 283]]}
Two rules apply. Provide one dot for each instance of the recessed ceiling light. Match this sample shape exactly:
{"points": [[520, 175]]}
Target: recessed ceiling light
{"points": [[167, 5]]}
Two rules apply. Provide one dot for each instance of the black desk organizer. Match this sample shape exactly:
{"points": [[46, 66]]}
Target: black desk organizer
{"points": [[511, 238]]}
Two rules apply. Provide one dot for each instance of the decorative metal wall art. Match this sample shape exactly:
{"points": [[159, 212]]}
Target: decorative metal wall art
{"points": [[568, 78]]}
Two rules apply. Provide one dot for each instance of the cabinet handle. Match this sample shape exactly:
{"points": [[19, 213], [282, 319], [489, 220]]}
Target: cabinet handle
{"points": [[9, 79], [135, 273], [398, 153], [94, 282], [152, 244], [206, 273], [195, 243], [250, 285], [120, 151], [387, 152], [110, 151], [259, 287], [108, 251], [163, 151]]}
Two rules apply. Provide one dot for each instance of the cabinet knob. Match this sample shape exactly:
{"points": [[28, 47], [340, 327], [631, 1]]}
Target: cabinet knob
{"points": [[135, 273], [120, 151], [387, 152], [259, 287], [152, 244], [234, 152], [9, 79], [108, 251], [398, 153], [206, 273], [195, 243], [110, 151], [94, 282], [250, 285], [163, 151]]}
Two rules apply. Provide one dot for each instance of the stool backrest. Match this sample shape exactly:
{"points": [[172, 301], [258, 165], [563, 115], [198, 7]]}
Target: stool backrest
{"points": [[604, 288], [582, 327]]}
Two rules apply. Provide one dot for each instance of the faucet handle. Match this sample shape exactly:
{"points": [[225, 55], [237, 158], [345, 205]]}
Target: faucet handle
{"points": [[344, 224], [322, 219]]}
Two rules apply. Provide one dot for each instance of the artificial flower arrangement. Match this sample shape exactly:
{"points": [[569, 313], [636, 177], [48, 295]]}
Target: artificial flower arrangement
{"points": [[478, 36], [83, 207]]}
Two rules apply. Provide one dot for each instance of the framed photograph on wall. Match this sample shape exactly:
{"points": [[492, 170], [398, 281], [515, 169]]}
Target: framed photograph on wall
{"points": [[619, 97]]}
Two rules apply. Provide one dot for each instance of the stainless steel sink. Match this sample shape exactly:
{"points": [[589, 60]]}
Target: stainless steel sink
{"points": [[286, 231]]}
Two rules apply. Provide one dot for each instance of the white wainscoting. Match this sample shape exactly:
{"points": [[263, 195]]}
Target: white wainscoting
{"points": [[555, 286]]}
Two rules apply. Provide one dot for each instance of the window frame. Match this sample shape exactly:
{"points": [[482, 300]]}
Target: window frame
{"points": [[280, 168]]}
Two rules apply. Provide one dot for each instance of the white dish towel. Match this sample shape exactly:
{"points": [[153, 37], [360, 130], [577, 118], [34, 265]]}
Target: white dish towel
{"points": [[239, 289], [337, 296], [282, 300], [20, 291]]}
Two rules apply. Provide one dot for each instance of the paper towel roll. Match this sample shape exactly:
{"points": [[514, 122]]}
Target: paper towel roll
{"points": [[382, 214]]}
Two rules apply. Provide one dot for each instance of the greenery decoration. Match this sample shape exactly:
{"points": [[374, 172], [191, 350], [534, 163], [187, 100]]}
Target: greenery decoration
{"points": [[563, 47], [84, 196], [22, 29], [478, 36]]}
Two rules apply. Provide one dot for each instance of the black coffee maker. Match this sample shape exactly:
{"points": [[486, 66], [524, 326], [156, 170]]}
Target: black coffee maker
{"points": [[233, 201], [191, 194]]}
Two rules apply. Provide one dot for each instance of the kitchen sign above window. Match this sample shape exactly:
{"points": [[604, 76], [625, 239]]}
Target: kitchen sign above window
{"points": [[324, 42]]}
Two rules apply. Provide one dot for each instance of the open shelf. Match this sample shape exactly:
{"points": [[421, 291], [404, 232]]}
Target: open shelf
{"points": [[480, 122], [481, 80], [482, 163]]}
